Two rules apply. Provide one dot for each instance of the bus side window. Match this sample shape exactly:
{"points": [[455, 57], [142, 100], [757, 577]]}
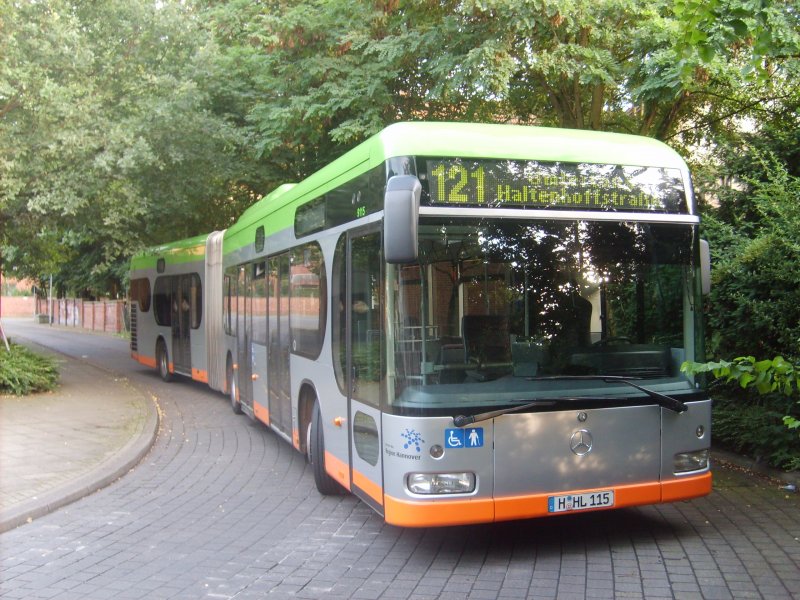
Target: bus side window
{"points": [[140, 293], [228, 307], [258, 285], [196, 300], [162, 297], [308, 300]]}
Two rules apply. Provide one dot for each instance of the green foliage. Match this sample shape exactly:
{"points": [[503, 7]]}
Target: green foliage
{"points": [[766, 376], [752, 32], [763, 426], [323, 75], [24, 372], [754, 306], [756, 428], [107, 137]]}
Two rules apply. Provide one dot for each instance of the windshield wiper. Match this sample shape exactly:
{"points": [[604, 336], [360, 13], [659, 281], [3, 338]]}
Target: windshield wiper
{"points": [[661, 399]]}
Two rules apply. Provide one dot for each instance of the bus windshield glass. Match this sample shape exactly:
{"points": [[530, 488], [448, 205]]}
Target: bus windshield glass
{"points": [[498, 312]]}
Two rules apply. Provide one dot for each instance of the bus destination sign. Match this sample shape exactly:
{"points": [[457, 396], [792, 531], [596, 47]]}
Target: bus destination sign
{"points": [[537, 184]]}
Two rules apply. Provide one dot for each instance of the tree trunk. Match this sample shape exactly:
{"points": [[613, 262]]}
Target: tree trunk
{"points": [[596, 116]]}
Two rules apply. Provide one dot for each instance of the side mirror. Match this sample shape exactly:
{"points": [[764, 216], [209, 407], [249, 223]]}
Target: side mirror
{"points": [[705, 268], [401, 218]]}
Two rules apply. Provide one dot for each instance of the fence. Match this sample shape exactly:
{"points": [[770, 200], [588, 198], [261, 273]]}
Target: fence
{"points": [[102, 315]]}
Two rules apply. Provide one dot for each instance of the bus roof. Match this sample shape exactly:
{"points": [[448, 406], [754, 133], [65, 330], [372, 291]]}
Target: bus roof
{"points": [[522, 142], [182, 251], [467, 140]]}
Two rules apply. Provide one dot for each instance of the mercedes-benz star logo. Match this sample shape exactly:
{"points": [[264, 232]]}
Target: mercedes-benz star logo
{"points": [[581, 442]]}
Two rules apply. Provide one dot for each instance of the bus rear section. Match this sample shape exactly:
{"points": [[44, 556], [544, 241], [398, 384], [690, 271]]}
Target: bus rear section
{"points": [[176, 308]]}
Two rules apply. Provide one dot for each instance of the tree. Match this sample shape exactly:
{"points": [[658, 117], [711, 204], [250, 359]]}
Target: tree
{"points": [[327, 74], [108, 139], [128, 123]]}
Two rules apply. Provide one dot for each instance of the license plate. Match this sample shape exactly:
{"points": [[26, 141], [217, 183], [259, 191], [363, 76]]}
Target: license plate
{"points": [[585, 501]]}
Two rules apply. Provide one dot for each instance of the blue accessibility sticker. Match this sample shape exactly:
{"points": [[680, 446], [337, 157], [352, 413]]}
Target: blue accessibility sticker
{"points": [[463, 438]]}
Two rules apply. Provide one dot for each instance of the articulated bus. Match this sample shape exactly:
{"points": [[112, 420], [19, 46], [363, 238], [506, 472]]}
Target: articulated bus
{"points": [[458, 323]]}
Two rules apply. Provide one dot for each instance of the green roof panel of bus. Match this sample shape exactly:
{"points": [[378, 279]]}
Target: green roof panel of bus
{"points": [[469, 140], [182, 251], [517, 142]]}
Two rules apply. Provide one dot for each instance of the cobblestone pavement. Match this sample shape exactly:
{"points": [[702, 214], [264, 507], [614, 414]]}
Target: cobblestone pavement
{"points": [[222, 508], [60, 446]]}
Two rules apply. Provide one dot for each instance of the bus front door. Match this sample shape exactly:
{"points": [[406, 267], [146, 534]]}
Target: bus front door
{"points": [[366, 369]]}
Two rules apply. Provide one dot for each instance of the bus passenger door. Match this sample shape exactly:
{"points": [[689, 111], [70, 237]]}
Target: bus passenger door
{"points": [[244, 329], [279, 383], [366, 369], [181, 324], [258, 343]]}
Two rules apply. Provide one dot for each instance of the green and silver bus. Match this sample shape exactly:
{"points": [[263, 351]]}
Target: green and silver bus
{"points": [[459, 323]]}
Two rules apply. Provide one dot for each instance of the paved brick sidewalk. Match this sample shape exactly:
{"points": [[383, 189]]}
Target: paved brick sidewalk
{"points": [[60, 446]]}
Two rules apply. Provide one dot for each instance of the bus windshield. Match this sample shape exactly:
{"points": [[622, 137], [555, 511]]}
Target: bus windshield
{"points": [[501, 311]]}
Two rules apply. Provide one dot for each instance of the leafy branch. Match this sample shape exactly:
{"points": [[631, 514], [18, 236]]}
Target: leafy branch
{"points": [[766, 376]]}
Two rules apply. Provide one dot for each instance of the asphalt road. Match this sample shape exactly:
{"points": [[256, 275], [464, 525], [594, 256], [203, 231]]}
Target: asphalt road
{"points": [[222, 508]]}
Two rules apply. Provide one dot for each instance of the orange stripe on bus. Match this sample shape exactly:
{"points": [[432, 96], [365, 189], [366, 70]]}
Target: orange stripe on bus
{"points": [[296, 438], [372, 489], [687, 487], [535, 505], [338, 470], [433, 513], [261, 412], [429, 513], [145, 360], [200, 375]]}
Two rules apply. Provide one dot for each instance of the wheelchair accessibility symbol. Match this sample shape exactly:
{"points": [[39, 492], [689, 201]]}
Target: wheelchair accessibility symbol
{"points": [[463, 438]]}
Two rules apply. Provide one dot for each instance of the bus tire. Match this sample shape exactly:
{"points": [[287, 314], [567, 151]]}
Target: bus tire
{"points": [[326, 485], [233, 389], [162, 361]]}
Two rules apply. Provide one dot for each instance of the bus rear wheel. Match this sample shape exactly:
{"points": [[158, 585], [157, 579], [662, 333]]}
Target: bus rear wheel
{"points": [[326, 485], [162, 360]]}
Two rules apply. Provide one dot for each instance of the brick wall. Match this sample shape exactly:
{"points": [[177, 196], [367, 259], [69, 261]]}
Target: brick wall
{"points": [[17, 306], [102, 315]]}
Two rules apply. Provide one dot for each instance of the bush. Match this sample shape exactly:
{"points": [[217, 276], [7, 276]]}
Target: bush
{"points": [[755, 409], [754, 306], [754, 426], [25, 372], [755, 300]]}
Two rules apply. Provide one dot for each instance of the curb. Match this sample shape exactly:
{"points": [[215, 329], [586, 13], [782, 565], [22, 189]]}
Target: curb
{"points": [[97, 478]]}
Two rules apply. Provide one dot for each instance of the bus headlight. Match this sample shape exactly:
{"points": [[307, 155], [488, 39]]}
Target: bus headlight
{"points": [[440, 483], [690, 461]]}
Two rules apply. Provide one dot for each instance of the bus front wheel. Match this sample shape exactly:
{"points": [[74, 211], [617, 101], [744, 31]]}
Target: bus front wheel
{"points": [[162, 359], [326, 484]]}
